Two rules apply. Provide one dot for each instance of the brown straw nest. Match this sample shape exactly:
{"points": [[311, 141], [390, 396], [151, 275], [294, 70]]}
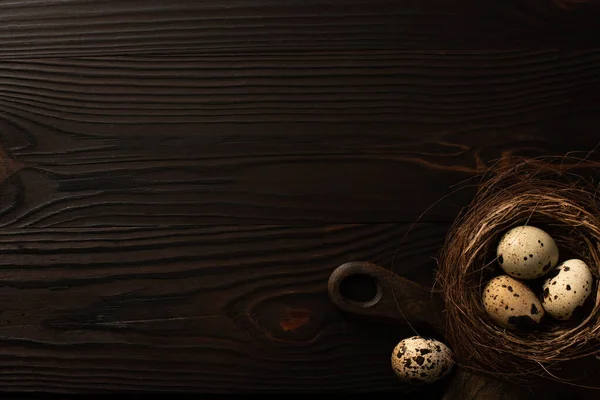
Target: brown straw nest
{"points": [[537, 193]]}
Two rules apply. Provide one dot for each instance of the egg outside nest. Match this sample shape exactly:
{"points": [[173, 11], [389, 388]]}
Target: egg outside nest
{"points": [[534, 193], [418, 360]]}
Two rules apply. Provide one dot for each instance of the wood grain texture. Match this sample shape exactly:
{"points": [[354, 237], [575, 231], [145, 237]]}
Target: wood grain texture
{"points": [[181, 177], [196, 309], [88, 27], [202, 140]]}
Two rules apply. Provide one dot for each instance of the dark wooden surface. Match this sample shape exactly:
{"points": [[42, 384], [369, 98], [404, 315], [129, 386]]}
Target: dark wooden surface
{"points": [[180, 178]]}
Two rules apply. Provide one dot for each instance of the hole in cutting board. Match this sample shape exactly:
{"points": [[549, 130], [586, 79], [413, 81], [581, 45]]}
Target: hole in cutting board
{"points": [[360, 288]]}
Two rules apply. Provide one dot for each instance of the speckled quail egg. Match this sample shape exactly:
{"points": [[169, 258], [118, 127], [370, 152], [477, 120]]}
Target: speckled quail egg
{"points": [[527, 252], [418, 360], [511, 304], [566, 288]]}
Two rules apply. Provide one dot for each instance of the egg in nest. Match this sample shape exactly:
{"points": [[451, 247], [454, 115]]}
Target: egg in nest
{"points": [[566, 289], [512, 304], [527, 252]]}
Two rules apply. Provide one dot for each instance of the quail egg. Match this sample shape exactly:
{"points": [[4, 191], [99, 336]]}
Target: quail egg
{"points": [[418, 360], [511, 304], [566, 288], [527, 252]]}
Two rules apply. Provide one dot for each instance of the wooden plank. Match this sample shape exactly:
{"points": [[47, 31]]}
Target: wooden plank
{"points": [[409, 86], [87, 27], [197, 309], [278, 138]]}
